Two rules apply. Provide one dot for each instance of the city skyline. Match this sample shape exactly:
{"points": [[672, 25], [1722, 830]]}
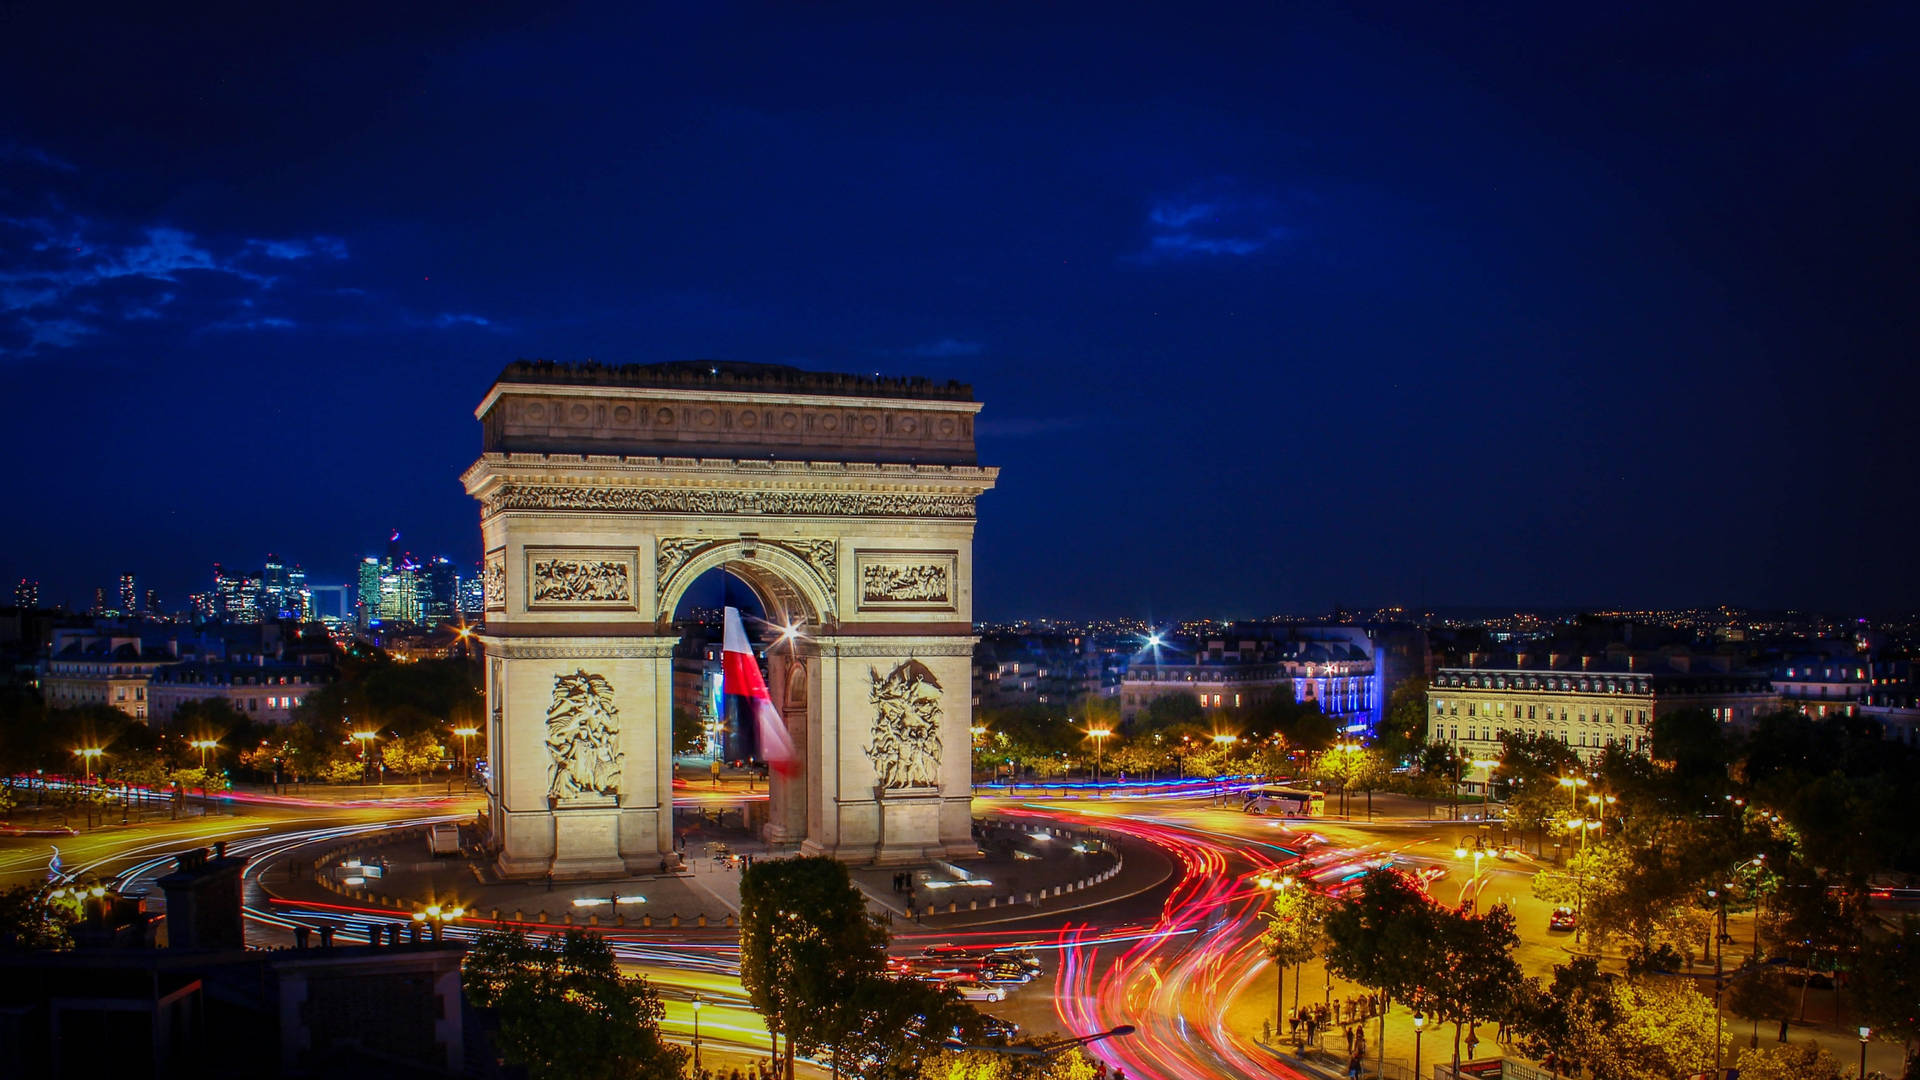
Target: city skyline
{"points": [[1271, 313]]}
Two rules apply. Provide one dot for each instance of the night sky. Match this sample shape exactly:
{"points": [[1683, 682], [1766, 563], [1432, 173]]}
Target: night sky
{"points": [[1271, 307]]}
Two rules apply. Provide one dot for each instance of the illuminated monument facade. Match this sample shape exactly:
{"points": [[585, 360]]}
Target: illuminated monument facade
{"points": [[845, 503]]}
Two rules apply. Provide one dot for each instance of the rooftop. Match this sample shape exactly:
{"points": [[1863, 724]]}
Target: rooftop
{"points": [[732, 376]]}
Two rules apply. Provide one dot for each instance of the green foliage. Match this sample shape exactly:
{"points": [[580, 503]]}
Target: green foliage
{"points": [[1296, 926], [1886, 984], [1805, 1061], [1403, 727], [689, 734], [414, 754], [28, 922], [806, 943], [984, 1065], [1385, 935], [1619, 1029], [566, 1012], [886, 1028]]}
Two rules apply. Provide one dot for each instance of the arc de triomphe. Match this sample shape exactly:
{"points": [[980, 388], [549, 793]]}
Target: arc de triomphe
{"points": [[846, 503]]}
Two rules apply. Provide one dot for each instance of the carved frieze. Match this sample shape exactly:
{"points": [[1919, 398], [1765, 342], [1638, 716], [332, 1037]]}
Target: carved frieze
{"points": [[906, 580], [704, 501], [580, 581], [583, 738], [581, 577], [493, 580], [905, 750]]}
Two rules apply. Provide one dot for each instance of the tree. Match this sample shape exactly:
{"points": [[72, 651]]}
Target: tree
{"points": [[1788, 1061], [1295, 933], [1625, 1029], [887, 1027], [1886, 984], [1403, 729], [412, 755], [689, 734], [1353, 768], [566, 1012], [1761, 993], [1594, 874], [806, 941], [30, 922], [1475, 976], [983, 1065], [1386, 935]]}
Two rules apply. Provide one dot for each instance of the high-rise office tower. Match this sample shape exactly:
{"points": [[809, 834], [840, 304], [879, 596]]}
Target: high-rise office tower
{"points": [[129, 595], [443, 590], [366, 593], [299, 603], [27, 593], [151, 604], [236, 595]]}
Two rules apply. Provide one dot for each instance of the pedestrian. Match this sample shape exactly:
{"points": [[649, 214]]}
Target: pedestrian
{"points": [[716, 772], [1353, 1067], [1266, 1031], [1472, 1041], [1293, 1025], [1347, 1033]]}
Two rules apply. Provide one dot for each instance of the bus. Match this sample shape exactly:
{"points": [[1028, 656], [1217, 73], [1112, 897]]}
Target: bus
{"points": [[1289, 802]]}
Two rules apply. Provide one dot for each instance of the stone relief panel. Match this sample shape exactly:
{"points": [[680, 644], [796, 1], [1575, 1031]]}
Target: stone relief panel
{"points": [[583, 738], [581, 577], [906, 580], [493, 580], [703, 501], [905, 750]]}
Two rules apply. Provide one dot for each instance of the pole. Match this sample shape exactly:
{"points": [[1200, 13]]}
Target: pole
{"points": [[696, 1034]]}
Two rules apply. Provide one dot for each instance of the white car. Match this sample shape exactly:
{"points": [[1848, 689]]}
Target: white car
{"points": [[973, 991]]}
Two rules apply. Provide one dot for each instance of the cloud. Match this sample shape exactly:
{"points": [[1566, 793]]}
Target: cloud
{"points": [[448, 319], [326, 246], [33, 155], [59, 269], [1219, 222], [944, 348]]}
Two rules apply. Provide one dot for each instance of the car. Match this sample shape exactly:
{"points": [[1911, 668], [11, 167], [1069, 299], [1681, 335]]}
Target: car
{"points": [[996, 1030], [1561, 919], [979, 991]]}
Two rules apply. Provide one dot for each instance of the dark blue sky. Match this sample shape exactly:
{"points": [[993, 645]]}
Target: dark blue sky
{"points": [[1271, 306]]}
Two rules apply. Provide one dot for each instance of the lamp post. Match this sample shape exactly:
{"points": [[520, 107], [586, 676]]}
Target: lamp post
{"points": [[1419, 1028], [204, 745], [1486, 786], [86, 757], [1478, 854], [1099, 735], [465, 733], [366, 740], [1865, 1034], [696, 1033]]}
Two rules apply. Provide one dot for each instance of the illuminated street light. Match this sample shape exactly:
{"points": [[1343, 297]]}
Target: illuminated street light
{"points": [[1865, 1034], [696, 1033], [86, 758], [1099, 736], [1419, 1028], [465, 733], [204, 745]]}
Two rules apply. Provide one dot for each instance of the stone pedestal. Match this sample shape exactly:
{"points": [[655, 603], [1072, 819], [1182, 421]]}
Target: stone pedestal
{"points": [[586, 841], [909, 819]]}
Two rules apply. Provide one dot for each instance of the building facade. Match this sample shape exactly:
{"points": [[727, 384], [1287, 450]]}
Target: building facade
{"points": [[1588, 703], [261, 689], [1331, 667]]}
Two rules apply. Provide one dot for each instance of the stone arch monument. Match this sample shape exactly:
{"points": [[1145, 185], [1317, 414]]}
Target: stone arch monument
{"points": [[845, 503]]}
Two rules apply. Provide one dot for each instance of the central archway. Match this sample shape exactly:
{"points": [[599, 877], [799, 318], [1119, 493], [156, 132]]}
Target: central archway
{"points": [[787, 593]]}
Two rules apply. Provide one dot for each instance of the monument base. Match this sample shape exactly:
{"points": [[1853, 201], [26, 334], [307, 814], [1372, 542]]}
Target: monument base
{"points": [[586, 842], [908, 817]]}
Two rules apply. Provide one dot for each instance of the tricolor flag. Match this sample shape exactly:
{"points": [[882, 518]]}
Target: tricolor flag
{"points": [[741, 678]]}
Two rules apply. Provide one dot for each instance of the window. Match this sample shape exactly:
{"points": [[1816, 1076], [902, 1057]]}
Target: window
{"points": [[253, 704], [1529, 712], [1469, 708]]}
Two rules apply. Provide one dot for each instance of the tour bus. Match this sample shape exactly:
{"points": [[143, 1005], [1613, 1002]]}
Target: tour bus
{"points": [[1289, 802]]}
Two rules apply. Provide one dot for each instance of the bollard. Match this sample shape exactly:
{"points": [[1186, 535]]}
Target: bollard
{"points": [[702, 919], [973, 905], [729, 920], [646, 922], [619, 920], [673, 920], [494, 916], [569, 918], [543, 915], [593, 920], [953, 908], [519, 916]]}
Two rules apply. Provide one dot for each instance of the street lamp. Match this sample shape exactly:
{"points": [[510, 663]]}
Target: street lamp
{"points": [[204, 745], [1419, 1028], [696, 1033], [1865, 1034], [366, 740], [1099, 736], [86, 759], [465, 733], [1486, 785]]}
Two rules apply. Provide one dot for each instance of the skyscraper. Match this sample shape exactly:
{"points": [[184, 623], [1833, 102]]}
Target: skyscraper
{"points": [[236, 595], [443, 590], [27, 593], [151, 604], [366, 593], [129, 595], [273, 588], [299, 597]]}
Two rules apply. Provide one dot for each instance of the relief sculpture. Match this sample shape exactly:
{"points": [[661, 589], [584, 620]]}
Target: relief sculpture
{"points": [[889, 581], [906, 726], [698, 501], [583, 738], [493, 581], [559, 581]]}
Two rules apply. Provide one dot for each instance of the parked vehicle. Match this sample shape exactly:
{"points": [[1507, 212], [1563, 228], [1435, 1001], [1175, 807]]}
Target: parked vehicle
{"points": [[443, 839], [1561, 919]]}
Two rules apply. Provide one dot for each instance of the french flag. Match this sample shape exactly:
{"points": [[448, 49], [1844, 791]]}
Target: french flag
{"points": [[741, 678]]}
